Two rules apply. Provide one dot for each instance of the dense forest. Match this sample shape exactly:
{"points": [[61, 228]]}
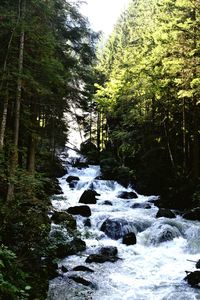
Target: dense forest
{"points": [[139, 95], [147, 92], [46, 53]]}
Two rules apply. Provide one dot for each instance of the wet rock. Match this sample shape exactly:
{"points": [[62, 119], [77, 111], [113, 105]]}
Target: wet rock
{"points": [[141, 205], [87, 223], [82, 281], [193, 279], [198, 264], [65, 218], [164, 212], [73, 184], [99, 258], [109, 251], [73, 181], [83, 269], [127, 195], [89, 197], [163, 233], [73, 247], [82, 210], [72, 178], [129, 239], [107, 203], [64, 269], [117, 228], [192, 215]]}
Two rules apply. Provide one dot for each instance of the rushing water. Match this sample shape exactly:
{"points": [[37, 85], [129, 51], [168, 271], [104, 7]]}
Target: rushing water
{"points": [[149, 270]]}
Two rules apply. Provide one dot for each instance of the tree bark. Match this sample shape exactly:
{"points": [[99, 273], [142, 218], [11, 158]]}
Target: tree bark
{"points": [[5, 105], [14, 155]]}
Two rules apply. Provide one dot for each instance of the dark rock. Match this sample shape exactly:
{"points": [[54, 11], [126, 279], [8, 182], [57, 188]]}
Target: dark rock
{"points": [[164, 212], [73, 247], [141, 205], [99, 258], [193, 279], [82, 280], [116, 228], [90, 151], [83, 269], [109, 251], [89, 197], [82, 210], [73, 184], [127, 195], [52, 187], [80, 164], [193, 214], [198, 264], [107, 203], [129, 239], [87, 223], [52, 270], [65, 218], [72, 178], [64, 269]]}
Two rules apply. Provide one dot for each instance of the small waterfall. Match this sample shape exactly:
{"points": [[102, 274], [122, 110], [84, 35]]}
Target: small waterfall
{"points": [[153, 268]]}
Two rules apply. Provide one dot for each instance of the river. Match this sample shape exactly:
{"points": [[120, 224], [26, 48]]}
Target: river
{"points": [[152, 269]]}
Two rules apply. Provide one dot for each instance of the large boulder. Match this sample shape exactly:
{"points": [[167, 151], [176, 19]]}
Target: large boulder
{"points": [[129, 239], [127, 195], [141, 205], [99, 258], [64, 218], [70, 248], [82, 210], [160, 233], [164, 212], [193, 279], [117, 228], [109, 251], [89, 197], [192, 215], [72, 178], [73, 181]]}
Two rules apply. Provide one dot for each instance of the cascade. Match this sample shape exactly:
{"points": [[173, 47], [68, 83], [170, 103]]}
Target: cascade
{"points": [[152, 266]]}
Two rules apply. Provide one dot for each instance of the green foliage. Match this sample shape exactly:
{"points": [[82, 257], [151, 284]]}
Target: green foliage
{"points": [[12, 279], [149, 93]]}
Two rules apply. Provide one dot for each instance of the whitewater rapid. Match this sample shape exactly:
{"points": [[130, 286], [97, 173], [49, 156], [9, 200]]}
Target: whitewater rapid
{"points": [[152, 269]]}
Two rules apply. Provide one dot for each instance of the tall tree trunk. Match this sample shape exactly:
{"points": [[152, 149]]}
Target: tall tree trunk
{"points": [[31, 155], [3, 121], [196, 114], [195, 144], [169, 145], [99, 130], [5, 105], [14, 155], [185, 154]]}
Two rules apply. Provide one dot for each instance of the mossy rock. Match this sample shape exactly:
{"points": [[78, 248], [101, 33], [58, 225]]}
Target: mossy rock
{"points": [[65, 219], [70, 248]]}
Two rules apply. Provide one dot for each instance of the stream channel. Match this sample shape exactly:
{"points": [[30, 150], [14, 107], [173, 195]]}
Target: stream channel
{"points": [[151, 269]]}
